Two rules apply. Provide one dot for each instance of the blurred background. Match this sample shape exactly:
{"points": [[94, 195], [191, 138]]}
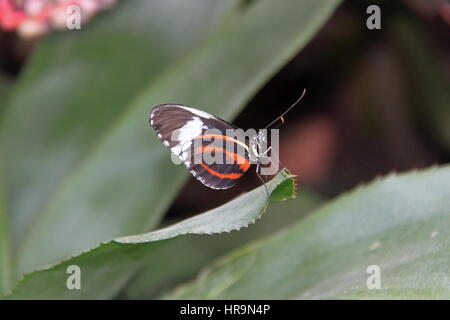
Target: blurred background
{"points": [[377, 101]]}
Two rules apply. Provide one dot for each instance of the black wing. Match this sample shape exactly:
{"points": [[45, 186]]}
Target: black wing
{"points": [[178, 126]]}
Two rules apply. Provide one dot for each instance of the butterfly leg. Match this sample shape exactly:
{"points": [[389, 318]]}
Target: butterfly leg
{"points": [[265, 152]]}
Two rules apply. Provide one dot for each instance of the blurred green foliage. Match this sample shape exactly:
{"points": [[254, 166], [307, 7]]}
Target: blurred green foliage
{"points": [[107, 268], [92, 170], [400, 224], [80, 166]]}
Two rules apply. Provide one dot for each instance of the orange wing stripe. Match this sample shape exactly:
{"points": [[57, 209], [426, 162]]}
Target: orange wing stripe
{"points": [[244, 167], [236, 157], [222, 175]]}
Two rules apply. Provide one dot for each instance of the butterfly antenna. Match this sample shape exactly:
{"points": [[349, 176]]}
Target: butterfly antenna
{"points": [[287, 110]]}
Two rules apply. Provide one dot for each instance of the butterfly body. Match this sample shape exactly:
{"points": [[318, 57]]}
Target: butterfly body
{"points": [[193, 134]]}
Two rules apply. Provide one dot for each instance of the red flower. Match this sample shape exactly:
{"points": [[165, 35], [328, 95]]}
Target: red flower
{"points": [[31, 18], [10, 17]]}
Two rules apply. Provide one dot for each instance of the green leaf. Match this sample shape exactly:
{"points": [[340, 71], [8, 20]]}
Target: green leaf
{"points": [[399, 223], [228, 217], [91, 188], [195, 252], [287, 186], [106, 269], [76, 89]]}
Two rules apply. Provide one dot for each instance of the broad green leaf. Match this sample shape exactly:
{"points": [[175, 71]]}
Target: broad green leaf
{"points": [[400, 224], [127, 172], [163, 269], [231, 216], [76, 88], [106, 269]]}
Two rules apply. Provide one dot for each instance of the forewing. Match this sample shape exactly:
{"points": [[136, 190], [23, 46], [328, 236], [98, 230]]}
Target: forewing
{"points": [[179, 127]]}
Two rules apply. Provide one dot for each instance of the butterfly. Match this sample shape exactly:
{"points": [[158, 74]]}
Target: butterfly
{"points": [[187, 132]]}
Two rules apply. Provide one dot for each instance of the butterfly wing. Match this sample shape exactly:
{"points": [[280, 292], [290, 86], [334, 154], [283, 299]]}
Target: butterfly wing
{"points": [[178, 127]]}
